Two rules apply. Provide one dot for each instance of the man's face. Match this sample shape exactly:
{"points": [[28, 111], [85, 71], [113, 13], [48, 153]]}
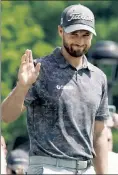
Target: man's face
{"points": [[76, 43]]}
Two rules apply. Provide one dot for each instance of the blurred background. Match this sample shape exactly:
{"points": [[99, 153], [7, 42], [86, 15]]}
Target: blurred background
{"points": [[33, 25]]}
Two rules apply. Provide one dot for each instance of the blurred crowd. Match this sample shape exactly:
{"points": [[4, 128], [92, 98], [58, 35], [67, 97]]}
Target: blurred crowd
{"points": [[16, 161]]}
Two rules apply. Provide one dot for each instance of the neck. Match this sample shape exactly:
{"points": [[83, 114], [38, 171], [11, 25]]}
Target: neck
{"points": [[74, 61]]}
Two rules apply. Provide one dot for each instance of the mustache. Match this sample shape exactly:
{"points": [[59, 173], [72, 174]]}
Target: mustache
{"points": [[79, 45]]}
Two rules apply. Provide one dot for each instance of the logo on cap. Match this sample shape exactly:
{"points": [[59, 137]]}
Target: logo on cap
{"points": [[79, 16]]}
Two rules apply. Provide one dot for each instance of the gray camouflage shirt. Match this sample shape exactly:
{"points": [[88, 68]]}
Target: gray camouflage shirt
{"points": [[62, 106]]}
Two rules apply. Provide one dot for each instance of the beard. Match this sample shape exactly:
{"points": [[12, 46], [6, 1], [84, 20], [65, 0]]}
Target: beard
{"points": [[72, 51]]}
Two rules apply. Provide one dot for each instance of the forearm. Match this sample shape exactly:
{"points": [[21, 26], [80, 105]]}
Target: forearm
{"points": [[101, 149], [13, 106]]}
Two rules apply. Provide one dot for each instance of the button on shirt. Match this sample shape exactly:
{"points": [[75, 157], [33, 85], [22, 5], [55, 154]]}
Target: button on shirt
{"points": [[62, 106]]}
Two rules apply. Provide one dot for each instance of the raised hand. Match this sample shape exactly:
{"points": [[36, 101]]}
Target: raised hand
{"points": [[28, 73]]}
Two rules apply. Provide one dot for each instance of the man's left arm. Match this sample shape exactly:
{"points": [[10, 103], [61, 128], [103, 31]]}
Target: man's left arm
{"points": [[100, 133], [101, 148]]}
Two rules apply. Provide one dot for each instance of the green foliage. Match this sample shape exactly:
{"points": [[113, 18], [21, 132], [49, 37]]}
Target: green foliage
{"points": [[40, 47], [115, 140], [33, 25], [14, 129], [48, 14]]}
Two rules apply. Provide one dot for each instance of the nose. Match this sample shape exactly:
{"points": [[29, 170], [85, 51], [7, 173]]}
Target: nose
{"points": [[79, 41]]}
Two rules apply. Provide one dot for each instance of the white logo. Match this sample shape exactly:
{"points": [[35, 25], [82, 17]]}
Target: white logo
{"points": [[61, 21], [64, 87], [80, 16]]}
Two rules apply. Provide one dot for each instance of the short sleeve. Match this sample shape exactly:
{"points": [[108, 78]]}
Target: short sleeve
{"points": [[103, 110]]}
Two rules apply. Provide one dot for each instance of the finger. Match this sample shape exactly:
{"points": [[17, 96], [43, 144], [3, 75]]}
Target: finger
{"points": [[30, 57], [23, 59], [37, 68], [27, 52], [27, 59]]}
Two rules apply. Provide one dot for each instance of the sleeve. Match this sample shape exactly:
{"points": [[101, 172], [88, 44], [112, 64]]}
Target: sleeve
{"points": [[103, 110]]}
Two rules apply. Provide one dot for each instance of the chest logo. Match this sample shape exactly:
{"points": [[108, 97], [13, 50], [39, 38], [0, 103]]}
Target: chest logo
{"points": [[64, 87]]}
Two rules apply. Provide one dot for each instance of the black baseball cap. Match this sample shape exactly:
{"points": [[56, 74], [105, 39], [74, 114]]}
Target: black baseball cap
{"points": [[78, 17]]}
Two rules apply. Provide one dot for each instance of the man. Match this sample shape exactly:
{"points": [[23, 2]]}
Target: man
{"points": [[66, 101]]}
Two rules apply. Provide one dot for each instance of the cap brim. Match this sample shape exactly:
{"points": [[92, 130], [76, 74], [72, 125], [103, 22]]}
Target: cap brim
{"points": [[75, 27]]}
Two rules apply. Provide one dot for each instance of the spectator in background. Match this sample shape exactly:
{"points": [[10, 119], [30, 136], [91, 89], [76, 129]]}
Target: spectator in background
{"points": [[112, 156], [3, 156], [17, 161], [21, 142], [115, 120]]}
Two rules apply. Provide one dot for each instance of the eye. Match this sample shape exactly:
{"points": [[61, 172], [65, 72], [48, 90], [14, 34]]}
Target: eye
{"points": [[87, 34], [73, 33]]}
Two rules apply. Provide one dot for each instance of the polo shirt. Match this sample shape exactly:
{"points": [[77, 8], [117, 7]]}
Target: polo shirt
{"points": [[62, 106]]}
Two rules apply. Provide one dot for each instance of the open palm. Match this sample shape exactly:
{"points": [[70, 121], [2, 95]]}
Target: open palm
{"points": [[28, 73]]}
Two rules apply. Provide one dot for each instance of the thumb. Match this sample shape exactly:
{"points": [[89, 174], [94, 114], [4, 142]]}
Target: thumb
{"points": [[37, 68]]}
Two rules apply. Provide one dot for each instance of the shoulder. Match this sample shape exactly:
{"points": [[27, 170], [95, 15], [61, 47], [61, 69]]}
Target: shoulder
{"points": [[97, 72], [45, 60], [48, 64]]}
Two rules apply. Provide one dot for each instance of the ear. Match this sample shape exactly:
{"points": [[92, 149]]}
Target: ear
{"points": [[60, 31]]}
